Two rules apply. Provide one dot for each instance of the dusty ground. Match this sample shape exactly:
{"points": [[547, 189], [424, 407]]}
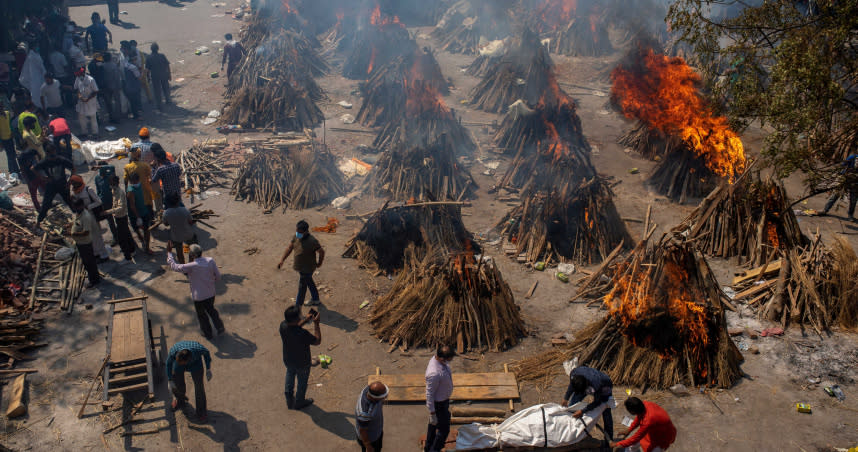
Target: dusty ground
{"points": [[247, 411]]}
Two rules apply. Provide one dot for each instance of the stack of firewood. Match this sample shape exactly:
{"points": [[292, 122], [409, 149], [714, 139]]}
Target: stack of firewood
{"points": [[467, 23], [292, 174], [750, 219], [204, 165], [522, 73], [376, 44], [665, 323], [571, 223], [813, 286], [448, 299], [385, 94], [381, 243], [421, 171]]}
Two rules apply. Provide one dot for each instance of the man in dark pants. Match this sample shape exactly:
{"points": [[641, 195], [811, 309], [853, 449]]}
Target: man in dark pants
{"points": [[439, 388], [54, 166], [585, 380], [120, 216], [850, 185], [159, 72], [113, 11], [105, 194], [305, 247], [369, 417], [188, 356], [202, 274], [296, 354], [61, 131], [81, 232]]}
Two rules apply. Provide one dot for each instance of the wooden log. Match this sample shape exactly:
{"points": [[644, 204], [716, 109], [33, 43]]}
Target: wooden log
{"points": [[91, 386], [38, 267], [17, 406], [532, 289], [466, 411]]}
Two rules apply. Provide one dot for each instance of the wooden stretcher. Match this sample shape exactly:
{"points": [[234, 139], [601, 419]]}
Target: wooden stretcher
{"points": [[466, 386], [132, 363]]}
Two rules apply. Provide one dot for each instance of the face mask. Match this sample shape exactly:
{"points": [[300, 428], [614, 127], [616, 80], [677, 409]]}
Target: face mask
{"points": [[135, 185], [299, 235]]}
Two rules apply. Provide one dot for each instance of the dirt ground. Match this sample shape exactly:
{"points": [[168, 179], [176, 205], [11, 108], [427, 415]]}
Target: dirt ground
{"points": [[245, 397]]}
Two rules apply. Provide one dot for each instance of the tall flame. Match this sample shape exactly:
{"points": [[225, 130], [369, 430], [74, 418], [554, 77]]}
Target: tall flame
{"points": [[662, 92], [378, 20], [287, 8], [557, 13]]}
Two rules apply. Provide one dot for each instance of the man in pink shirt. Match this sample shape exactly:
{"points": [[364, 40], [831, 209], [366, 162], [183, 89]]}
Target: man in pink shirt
{"points": [[439, 388], [202, 273]]}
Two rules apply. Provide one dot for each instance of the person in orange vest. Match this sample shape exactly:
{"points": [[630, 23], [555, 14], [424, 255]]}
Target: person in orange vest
{"points": [[655, 430]]}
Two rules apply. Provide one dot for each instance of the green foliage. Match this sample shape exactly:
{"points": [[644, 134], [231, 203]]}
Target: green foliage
{"points": [[793, 72]]}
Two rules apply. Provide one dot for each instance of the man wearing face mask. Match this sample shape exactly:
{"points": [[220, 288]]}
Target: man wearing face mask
{"points": [[306, 247], [439, 388]]}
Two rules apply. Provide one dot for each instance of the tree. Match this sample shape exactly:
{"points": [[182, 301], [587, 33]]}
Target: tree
{"points": [[791, 65]]}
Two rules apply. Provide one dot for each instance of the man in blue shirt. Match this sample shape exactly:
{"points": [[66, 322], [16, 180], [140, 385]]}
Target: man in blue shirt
{"points": [[369, 416], [585, 381], [99, 34], [188, 356]]}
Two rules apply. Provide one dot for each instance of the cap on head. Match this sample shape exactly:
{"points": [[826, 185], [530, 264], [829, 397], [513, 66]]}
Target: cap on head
{"points": [[143, 133], [378, 390]]}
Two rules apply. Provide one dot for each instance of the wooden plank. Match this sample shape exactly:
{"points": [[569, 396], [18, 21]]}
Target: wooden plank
{"points": [[127, 378], [105, 377], [116, 370], [128, 336], [136, 387], [754, 272], [755, 289], [147, 348], [122, 300], [132, 308], [532, 289], [418, 394], [460, 379], [17, 407]]}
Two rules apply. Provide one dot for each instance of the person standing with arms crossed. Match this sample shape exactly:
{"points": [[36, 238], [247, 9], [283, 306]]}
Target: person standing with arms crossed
{"points": [[439, 388], [296, 354], [305, 247]]}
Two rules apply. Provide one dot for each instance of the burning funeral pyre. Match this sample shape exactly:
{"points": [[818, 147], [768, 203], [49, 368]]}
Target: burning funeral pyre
{"points": [[695, 148], [273, 86], [665, 323], [444, 298], [572, 27], [291, 173], [420, 151], [386, 93], [381, 243], [751, 219], [814, 286], [521, 73], [567, 212], [469, 24], [375, 44]]}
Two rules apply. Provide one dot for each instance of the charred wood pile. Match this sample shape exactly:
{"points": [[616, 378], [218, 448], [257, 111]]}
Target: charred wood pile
{"points": [[271, 20], [572, 27], [273, 87], [665, 323], [813, 286], [468, 24], [448, 299], [751, 219], [385, 93], [375, 44], [695, 149], [521, 73], [288, 173], [18, 260], [380, 245], [571, 223], [420, 170]]}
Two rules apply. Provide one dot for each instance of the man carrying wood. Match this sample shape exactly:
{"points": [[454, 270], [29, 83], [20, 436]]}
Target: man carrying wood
{"points": [[369, 424], [296, 354], [305, 247], [655, 430], [439, 388], [585, 380], [188, 356]]}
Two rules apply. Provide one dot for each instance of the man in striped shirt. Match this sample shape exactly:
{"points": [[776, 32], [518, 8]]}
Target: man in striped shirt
{"points": [[167, 173], [188, 356]]}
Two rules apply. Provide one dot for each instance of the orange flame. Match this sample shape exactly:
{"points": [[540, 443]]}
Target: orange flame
{"points": [[422, 97], [557, 13], [330, 227], [376, 18], [664, 96], [371, 61], [772, 235], [287, 8], [636, 300]]}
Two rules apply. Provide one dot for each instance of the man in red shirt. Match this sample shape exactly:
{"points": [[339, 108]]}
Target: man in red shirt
{"points": [[655, 430], [59, 128]]}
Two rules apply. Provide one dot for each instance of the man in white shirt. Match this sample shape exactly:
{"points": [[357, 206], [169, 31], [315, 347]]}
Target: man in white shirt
{"points": [[52, 98], [87, 102]]}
